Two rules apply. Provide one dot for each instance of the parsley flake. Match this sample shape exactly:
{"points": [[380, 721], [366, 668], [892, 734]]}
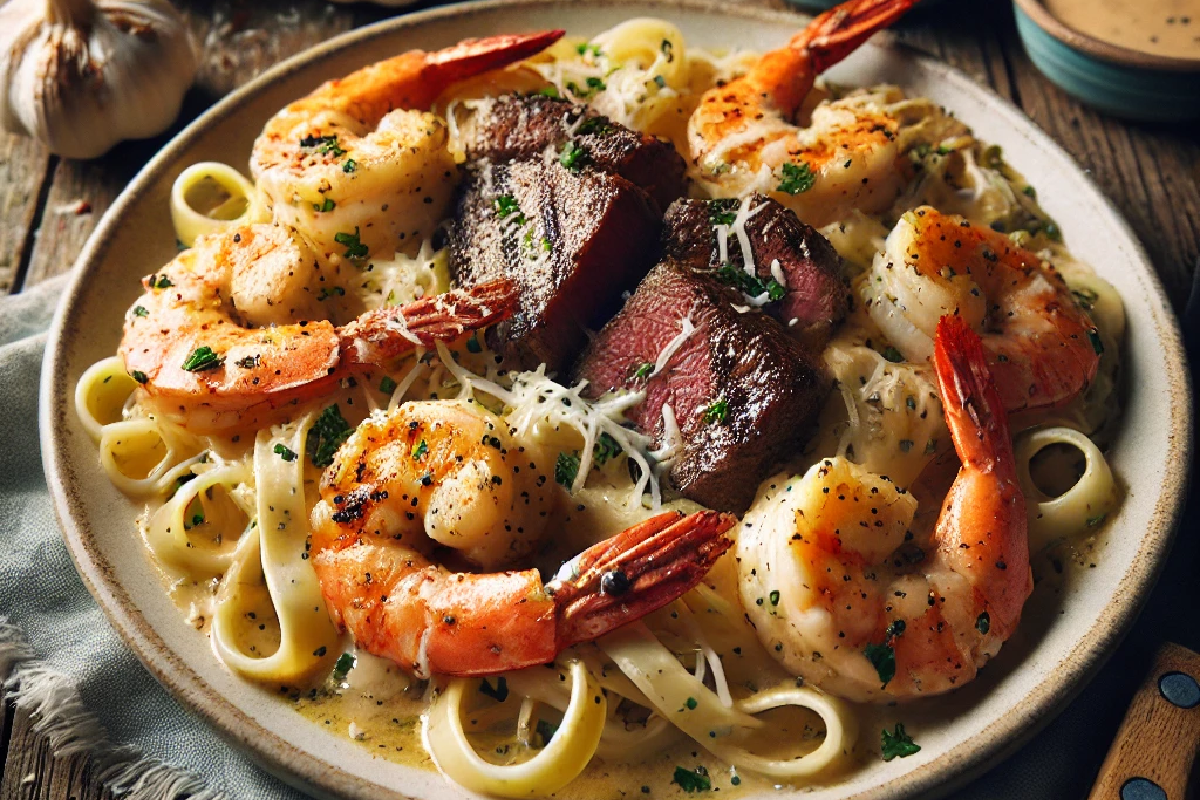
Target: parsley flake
{"points": [[606, 447], [201, 359], [140, 311], [160, 282], [566, 469], [898, 743], [883, 659], [324, 144], [350, 166], [328, 292], [796, 178], [574, 157], [326, 435], [342, 667], [892, 354], [546, 731], [387, 385], [717, 413], [285, 453], [689, 780], [644, 370], [983, 623], [722, 212], [325, 205], [499, 692], [139, 376], [355, 249], [419, 450]]}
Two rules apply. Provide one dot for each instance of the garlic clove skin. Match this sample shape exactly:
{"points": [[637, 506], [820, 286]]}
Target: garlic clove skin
{"points": [[82, 75]]}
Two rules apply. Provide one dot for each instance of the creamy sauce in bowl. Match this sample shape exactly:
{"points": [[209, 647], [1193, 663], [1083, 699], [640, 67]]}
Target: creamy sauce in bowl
{"points": [[1169, 28]]}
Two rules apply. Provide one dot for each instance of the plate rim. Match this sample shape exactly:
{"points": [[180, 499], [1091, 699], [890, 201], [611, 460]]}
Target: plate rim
{"points": [[285, 760]]}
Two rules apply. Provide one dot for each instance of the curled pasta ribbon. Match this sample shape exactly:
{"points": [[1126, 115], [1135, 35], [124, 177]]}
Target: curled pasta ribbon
{"points": [[558, 763], [699, 712], [138, 441], [654, 45], [232, 201], [166, 530], [279, 543], [1092, 496], [101, 393]]}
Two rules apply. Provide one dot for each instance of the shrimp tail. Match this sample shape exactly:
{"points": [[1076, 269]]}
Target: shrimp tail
{"points": [[637, 571], [471, 57], [387, 333], [974, 412], [839, 31]]}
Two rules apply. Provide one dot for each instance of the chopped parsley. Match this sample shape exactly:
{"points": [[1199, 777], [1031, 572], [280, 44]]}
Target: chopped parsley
{"points": [[892, 354], [644, 370], [1086, 298], [326, 436], [717, 413], [774, 597], [194, 514], [546, 731], [387, 385], [1094, 337], [883, 659], [660, 81], [249, 362], [419, 450], [506, 206], [285, 453], [606, 447], [796, 178], [324, 144], [160, 282], [342, 667], [668, 50], [897, 743], [139, 376], [692, 780], [473, 345], [574, 157], [598, 125], [1029, 192], [983, 623], [201, 359], [722, 212], [350, 165], [749, 284], [328, 292], [1096, 520], [549, 91], [566, 469], [326, 204], [585, 47], [140, 311], [499, 692], [355, 249]]}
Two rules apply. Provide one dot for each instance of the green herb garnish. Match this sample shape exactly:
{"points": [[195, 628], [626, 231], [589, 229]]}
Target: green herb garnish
{"points": [[644, 370], [324, 144], [387, 385], [1094, 337], [983, 623], [606, 447], [717, 413], [566, 469], [892, 354], [883, 659], [419, 450], [546, 731], [898, 743], [140, 311], [139, 376], [355, 249], [160, 282], [722, 212], [597, 125], [285, 453], [342, 667], [328, 292], [689, 780], [574, 157], [201, 359], [797, 178], [350, 165], [325, 205], [326, 435]]}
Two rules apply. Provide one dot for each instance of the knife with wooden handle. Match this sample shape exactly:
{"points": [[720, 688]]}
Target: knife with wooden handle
{"points": [[1152, 756]]}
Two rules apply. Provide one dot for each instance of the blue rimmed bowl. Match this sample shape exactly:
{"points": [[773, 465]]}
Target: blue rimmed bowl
{"points": [[1117, 80]]}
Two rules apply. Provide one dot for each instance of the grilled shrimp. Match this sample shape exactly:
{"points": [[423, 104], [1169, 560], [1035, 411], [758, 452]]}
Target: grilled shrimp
{"points": [[841, 593], [1042, 348], [232, 331], [743, 135], [450, 474], [360, 166]]}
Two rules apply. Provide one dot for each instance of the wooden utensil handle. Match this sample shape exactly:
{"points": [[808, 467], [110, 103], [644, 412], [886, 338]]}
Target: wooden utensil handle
{"points": [[1151, 758]]}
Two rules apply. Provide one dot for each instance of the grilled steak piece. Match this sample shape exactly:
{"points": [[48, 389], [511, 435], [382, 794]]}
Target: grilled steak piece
{"points": [[810, 285], [744, 394], [512, 127], [571, 240]]}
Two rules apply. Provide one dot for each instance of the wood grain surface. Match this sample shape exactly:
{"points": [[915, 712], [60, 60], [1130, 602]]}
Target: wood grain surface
{"points": [[49, 205]]}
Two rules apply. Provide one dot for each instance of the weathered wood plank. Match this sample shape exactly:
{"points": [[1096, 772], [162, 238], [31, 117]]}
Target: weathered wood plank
{"points": [[27, 764], [24, 170]]}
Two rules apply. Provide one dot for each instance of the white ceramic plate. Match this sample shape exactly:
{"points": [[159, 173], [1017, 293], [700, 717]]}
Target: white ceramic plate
{"points": [[1064, 637]]}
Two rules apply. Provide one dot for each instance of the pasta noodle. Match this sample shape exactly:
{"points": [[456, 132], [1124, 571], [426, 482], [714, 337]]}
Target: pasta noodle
{"points": [[211, 198]]}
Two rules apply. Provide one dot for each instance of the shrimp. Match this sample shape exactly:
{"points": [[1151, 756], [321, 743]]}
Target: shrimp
{"points": [[359, 165], [450, 474], [839, 589], [231, 332], [1042, 348], [742, 135]]}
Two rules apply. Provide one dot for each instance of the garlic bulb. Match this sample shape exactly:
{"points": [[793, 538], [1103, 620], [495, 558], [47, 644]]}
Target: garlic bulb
{"points": [[81, 75]]}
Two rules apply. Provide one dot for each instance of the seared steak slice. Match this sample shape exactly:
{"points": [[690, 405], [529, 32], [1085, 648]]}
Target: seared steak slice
{"points": [[744, 394], [813, 293], [512, 127], [571, 240]]}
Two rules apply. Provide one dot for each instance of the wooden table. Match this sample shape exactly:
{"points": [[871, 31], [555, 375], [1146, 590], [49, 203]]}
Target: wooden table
{"points": [[49, 205]]}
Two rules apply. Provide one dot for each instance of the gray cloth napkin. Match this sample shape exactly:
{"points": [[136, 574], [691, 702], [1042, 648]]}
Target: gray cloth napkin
{"points": [[159, 750]]}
